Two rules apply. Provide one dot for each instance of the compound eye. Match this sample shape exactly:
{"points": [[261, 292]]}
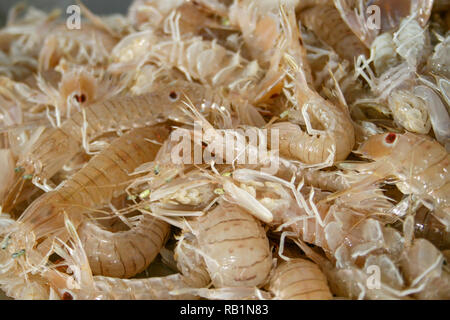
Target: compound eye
{"points": [[390, 139], [67, 296], [173, 96], [80, 98]]}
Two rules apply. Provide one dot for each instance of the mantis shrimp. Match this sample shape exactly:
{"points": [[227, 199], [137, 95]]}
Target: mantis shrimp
{"points": [[330, 131], [426, 177], [234, 246], [58, 145], [124, 253], [102, 178], [239, 257], [83, 285]]}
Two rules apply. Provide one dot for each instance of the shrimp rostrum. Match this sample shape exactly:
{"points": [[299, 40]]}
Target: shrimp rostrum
{"points": [[299, 279]]}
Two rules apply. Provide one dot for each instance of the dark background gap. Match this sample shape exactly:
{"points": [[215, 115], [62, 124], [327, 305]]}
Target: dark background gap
{"points": [[101, 7]]}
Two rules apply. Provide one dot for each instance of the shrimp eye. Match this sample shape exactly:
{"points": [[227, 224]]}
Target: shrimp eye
{"points": [[173, 96], [390, 138], [80, 98], [67, 296]]}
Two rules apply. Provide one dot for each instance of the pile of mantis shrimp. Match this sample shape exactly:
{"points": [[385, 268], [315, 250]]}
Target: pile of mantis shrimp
{"points": [[357, 207]]}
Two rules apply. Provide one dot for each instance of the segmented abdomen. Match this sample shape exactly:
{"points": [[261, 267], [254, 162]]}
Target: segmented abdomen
{"points": [[106, 175], [123, 254], [237, 251], [108, 172], [325, 180], [297, 144], [299, 279]]}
